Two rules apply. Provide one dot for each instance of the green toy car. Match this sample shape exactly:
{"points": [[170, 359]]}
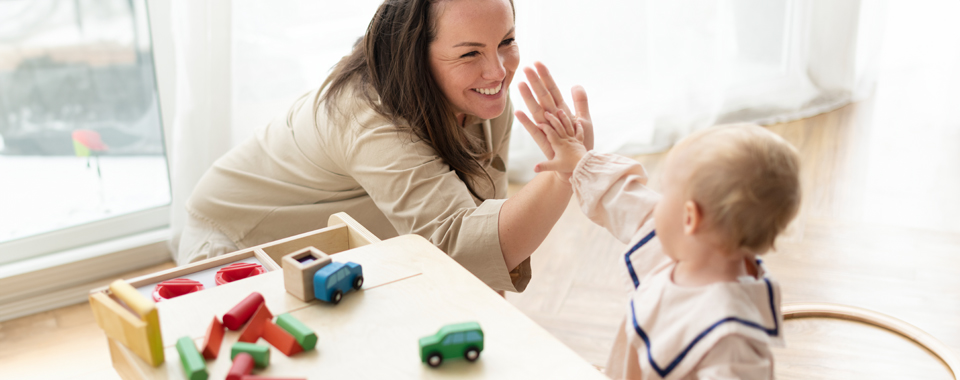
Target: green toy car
{"points": [[452, 341]]}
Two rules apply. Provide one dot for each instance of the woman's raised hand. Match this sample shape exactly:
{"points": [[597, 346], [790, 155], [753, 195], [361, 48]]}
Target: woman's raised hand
{"points": [[549, 99]]}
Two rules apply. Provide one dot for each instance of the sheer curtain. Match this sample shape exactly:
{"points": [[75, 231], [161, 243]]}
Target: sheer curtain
{"points": [[657, 70], [654, 70]]}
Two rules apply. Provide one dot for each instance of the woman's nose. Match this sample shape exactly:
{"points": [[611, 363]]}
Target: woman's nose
{"points": [[493, 68]]}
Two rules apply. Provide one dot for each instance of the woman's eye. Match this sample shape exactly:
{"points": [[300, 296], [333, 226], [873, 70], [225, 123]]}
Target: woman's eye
{"points": [[507, 41], [470, 54]]}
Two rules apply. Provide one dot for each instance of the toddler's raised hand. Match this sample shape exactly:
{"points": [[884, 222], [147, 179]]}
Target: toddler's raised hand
{"points": [[566, 139]]}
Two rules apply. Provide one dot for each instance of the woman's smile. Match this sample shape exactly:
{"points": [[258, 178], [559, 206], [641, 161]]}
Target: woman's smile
{"points": [[492, 92]]}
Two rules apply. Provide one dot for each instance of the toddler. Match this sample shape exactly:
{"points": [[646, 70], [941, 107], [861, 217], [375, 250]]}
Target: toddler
{"points": [[702, 306]]}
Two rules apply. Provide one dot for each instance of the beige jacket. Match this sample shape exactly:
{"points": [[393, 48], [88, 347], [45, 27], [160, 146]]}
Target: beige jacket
{"points": [[718, 331], [292, 174]]}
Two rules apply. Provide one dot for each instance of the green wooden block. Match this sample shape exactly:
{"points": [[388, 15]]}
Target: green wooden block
{"points": [[260, 353], [306, 337], [193, 364]]}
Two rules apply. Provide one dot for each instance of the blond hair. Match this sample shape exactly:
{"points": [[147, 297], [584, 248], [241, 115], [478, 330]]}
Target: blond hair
{"points": [[746, 181]]}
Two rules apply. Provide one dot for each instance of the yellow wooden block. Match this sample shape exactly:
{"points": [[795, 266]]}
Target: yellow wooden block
{"points": [[139, 332], [116, 321], [130, 296], [154, 339]]}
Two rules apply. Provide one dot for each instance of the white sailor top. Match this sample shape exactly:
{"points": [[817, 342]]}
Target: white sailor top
{"points": [[718, 331]]}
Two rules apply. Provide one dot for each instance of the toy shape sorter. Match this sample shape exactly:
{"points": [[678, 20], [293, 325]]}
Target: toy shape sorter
{"points": [[129, 318], [298, 270]]}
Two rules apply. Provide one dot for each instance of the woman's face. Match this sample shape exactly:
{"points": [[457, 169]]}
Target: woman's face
{"points": [[474, 55]]}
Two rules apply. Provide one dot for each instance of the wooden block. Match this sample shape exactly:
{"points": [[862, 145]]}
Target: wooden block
{"points": [[280, 339], [193, 365], [298, 270], [122, 325], [212, 340], [154, 338], [259, 352], [242, 366], [303, 334], [252, 377], [136, 301], [147, 310], [254, 328], [127, 364], [238, 315]]}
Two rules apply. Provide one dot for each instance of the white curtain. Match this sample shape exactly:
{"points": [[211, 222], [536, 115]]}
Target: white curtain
{"points": [[200, 128], [654, 70], [657, 70]]}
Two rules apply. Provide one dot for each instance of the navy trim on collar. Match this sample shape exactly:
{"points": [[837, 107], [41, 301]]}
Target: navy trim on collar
{"points": [[663, 372], [633, 274]]}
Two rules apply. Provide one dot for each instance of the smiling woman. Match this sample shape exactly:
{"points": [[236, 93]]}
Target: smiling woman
{"points": [[409, 134]]}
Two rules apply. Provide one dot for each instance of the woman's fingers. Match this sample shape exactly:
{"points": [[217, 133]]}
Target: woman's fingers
{"points": [[543, 96], [583, 114], [580, 102], [551, 86], [532, 105], [538, 135]]}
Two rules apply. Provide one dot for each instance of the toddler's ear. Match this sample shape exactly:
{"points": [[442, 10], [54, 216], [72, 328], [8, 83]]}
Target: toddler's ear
{"points": [[692, 217]]}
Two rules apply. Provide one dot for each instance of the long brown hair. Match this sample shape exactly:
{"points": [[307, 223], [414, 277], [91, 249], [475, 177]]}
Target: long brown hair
{"points": [[393, 59]]}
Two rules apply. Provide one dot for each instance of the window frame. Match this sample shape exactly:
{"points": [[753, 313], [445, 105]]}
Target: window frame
{"points": [[116, 227]]}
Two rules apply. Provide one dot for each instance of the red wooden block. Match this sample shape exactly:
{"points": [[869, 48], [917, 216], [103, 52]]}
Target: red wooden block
{"points": [[242, 366], [236, 317], [254, 329], [281, 339], [211, 342]]}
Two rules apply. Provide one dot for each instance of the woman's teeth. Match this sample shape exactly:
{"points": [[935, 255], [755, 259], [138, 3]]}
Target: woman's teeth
{"points": [[489, 91]]}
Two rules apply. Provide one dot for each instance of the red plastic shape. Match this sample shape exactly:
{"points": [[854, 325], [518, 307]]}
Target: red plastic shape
{"points": [[175, 288], [237, 271]]}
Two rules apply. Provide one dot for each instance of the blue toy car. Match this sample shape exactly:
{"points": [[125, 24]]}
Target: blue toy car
{"points": [[334, 279]]}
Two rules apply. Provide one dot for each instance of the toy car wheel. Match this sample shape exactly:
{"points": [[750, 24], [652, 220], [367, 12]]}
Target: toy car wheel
{"points": [[435, 359], [337, 296], [472, 354], [358, 282]]}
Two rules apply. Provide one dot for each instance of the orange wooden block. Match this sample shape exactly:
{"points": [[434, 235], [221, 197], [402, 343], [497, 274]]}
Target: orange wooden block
{"points": [[280, 339], [254, 328], [211, 342]]}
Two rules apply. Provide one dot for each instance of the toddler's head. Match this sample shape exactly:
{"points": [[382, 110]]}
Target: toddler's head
{"points": [[730, 187]]}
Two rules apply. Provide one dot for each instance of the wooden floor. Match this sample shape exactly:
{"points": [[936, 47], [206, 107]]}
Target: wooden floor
{"points": [[878, 229]]}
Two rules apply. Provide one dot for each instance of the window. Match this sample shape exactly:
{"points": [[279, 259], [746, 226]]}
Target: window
{"points": [[81, 144], [473, 336], [453, 339]]}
